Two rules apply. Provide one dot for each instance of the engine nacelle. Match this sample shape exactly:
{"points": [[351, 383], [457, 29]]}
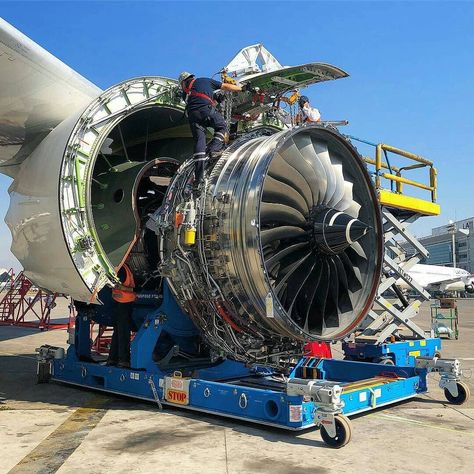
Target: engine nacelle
{"points": [[80, 200]]}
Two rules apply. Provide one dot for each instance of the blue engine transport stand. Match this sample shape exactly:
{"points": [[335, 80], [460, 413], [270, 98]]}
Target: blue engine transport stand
{"points": [[170, 366]]}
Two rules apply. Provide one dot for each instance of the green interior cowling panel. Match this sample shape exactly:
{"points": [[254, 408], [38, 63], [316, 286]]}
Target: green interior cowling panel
{"points": [[131, 173]]}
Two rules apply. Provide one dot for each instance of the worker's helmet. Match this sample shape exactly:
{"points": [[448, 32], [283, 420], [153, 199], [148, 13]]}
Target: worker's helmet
{"points": [[184, 76], [302, 100]]}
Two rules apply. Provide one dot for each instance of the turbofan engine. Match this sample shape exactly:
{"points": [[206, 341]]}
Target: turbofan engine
{"points": [[289, 243], [289, 240]]}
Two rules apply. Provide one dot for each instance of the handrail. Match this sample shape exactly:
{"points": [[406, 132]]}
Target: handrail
{"points": [[395, 173]]}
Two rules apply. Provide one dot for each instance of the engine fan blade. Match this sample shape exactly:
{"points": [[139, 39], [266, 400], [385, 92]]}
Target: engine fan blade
{"points": [[275, 259], [292, 155], [340, 188], [356, 253], [331, 316], [296, 283], [308, 292], [347, 199], [281, 233], [288, 272], [277, 192], [282, 171], [305, 146], [354, 280], [271, 213], [317, 307], [322, 152], [344, 302]]}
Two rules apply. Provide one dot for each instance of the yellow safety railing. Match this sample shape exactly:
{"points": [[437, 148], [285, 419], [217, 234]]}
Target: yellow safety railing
{"points": [[395, 173], [399, 177]]}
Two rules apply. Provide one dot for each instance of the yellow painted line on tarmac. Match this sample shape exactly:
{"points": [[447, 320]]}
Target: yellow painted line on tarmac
{"points": [[54, 450], [421, 423]]}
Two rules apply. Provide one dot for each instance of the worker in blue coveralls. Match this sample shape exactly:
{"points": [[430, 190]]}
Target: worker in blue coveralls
{"points": [[200, 107]]}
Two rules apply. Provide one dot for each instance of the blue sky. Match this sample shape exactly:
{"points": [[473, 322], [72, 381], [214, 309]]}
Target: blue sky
{"points": [[411, 65]]}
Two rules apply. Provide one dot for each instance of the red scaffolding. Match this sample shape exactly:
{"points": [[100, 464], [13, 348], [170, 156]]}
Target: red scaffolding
{"points": [[22, 304]]}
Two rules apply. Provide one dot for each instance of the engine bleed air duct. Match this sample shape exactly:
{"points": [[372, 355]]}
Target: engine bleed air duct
{"points": [[288, 247]]}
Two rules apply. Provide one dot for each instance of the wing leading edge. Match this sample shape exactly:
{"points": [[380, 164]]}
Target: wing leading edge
{"points": [[37, 92]]}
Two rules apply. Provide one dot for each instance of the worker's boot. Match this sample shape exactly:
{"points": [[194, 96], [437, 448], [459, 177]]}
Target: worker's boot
{"points": [[214, 156]]}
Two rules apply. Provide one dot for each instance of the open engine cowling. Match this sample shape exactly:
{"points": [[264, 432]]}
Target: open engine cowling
{"points": [[289, 242]]}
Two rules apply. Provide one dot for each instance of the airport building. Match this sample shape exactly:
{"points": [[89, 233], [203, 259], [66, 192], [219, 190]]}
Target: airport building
{"points": [[440, 245]]}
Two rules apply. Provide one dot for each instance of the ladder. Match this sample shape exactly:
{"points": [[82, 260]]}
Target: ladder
{"points": [[22, 299], [13, 302]]}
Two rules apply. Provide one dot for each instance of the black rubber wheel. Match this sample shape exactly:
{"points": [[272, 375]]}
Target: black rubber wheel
{"points": [[343, 432], [463, 394], [43, 373]]}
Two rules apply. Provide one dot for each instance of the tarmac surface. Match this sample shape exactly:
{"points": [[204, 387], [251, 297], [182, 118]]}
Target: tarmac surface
{"points": [[55, 428]]}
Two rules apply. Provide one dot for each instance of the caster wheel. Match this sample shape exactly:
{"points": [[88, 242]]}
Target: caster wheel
{"points": [[43, 373], [343, 432], [463, 394], [386, 361], [437, 354]]}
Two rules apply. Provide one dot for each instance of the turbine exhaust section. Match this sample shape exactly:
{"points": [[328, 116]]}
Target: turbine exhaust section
{"points": [[288, 243]]}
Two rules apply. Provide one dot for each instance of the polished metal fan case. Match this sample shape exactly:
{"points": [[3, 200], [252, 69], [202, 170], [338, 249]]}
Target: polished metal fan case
{"points": [[289, 241]]}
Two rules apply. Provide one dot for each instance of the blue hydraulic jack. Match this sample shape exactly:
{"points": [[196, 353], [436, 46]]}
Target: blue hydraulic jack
{"points": [[171, 366]]}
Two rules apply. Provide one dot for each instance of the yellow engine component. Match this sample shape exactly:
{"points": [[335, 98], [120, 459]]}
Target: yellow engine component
{"points": [[190, 236], [293, 97]]}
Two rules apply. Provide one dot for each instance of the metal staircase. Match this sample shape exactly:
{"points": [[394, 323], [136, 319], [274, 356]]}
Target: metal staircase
{"points": [[22, 299], [13, 303]]}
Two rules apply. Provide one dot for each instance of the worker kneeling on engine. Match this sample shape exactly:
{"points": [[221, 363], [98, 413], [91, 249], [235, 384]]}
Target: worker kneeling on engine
{"points": [[308, 114], [124, 295], [200, 107]]}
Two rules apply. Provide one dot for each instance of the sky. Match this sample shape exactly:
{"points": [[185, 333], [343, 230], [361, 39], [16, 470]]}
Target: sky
{"points": [[411, 65]]}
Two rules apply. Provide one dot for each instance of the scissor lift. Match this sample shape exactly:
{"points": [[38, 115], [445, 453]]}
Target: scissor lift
{"points": [[391, 321]]}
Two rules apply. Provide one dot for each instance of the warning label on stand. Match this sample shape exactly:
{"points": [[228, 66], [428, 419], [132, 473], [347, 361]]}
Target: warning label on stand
{"points": [[296, 413]]}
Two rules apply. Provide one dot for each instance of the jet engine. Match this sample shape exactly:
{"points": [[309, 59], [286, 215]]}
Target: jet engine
{"points": [[288, 247], [288, 241]]}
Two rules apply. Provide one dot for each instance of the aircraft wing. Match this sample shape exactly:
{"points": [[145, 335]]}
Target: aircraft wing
{"points": [[37, 92]]}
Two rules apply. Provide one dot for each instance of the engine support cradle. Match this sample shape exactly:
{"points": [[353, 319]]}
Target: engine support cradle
{"points": [[317, 392]]}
